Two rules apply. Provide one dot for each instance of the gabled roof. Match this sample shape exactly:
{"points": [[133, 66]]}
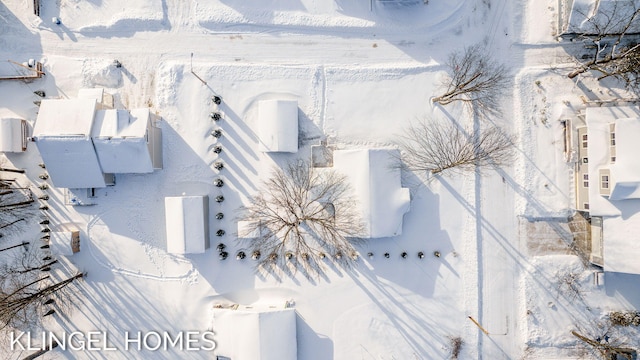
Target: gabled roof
{"points": [[255, 335], [11, 135], [278, 125], [376, 180], [120, 140], [65, 117], [187, 224]]}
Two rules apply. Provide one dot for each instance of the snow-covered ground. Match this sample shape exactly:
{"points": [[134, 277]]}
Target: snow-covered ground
{"points": [[360, 70]]}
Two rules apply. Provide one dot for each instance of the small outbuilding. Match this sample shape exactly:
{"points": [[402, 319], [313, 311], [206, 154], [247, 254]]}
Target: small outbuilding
{"points": [[187, 224], [278, 125], [375, 179], [255, 334], [65, 243], [13, 135]]}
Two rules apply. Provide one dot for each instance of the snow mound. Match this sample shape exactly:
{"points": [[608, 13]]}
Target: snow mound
{"points": [[101, 73]]}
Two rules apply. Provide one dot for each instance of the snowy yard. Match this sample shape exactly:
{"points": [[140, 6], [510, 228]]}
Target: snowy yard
{"points": [[494, 242]]}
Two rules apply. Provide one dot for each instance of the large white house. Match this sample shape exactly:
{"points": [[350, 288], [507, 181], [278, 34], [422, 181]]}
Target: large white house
{"points": [[608, 184], [375, 177], [81, 142]]}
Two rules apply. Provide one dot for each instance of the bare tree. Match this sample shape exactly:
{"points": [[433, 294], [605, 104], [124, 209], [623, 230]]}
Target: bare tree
{"points": [[608, 348], [437, 146], [301, 218], [615, 52], [28, 288], [476, 79], [16, 203]]}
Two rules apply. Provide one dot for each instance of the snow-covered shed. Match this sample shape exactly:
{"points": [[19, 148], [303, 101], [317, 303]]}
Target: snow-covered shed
{"points": [[126, 142], [609, 174], [255, 335], [376, 180], [64, 243], [187, 224], [13, 135], [278, 125], [63, 137]]}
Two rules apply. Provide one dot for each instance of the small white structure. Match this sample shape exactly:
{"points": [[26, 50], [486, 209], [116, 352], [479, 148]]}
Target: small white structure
{"points": [[126, 142], [63, 136], [13, 135], [65, 243], [103, 100], [377, 183], [278, 125], [187, 224], [608, 185], [255, 335]]}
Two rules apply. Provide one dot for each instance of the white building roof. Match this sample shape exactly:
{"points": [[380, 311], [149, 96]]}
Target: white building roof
{"points": [[11, 135], [255, 335], [377, 183], [62, 133], [187, 224], [71, 161], [278, 125], [120, 138], [65, 117]]}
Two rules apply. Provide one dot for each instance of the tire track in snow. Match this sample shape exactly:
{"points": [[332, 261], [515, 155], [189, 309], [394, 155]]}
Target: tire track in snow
{"points": [[190, 276]]}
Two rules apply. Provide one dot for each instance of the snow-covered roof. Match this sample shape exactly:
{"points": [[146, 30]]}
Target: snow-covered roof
{"points": [[65, 117], [626, 170], [255, 335], [620, 245], [187, 224], [71, 161], [585, 13], [61, 242], [278, 125], [120, 140], [95, 94], [11, 135], [62, 131], [377, 184]]}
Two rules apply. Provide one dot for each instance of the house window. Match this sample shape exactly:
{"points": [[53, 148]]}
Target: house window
{"points": [[584, 141], [604, 182], [585, 180], [613, 159], [585, 160], [613, 139], [586, 206]]}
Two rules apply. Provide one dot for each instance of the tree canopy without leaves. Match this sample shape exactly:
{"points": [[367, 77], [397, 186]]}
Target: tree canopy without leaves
{"points": [[614, 53], [476, 79], [302, 217], [437, 146]]}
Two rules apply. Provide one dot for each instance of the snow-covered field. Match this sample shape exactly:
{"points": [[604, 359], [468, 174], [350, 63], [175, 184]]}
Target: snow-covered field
{"points": [[361, 71]]}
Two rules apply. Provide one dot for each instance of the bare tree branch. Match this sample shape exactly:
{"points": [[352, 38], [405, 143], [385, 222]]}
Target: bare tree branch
{"points": [[475, 78], [300, 217], [437, 146]]}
